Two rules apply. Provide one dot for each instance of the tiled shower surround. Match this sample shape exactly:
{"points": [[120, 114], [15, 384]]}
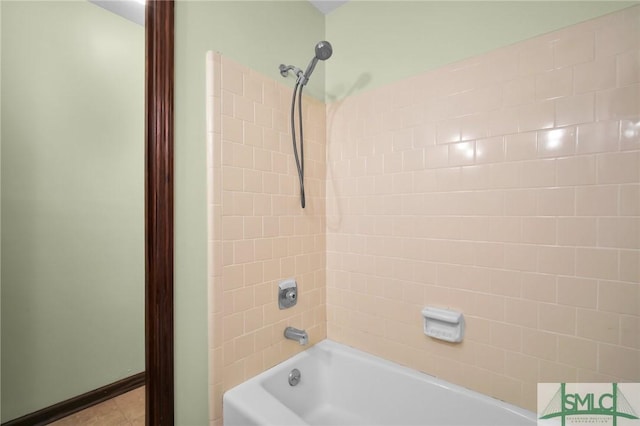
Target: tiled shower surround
{"points": [[258, 234], [506, 186]]}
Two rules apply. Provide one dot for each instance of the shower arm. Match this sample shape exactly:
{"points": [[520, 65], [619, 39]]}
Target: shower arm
{"points": [[284, 70], [302, 77]]}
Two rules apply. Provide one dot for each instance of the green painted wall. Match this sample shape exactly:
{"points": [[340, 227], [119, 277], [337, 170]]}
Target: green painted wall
{"points": [[0, 210], [72, 186], [260, 35], [378, 42]]}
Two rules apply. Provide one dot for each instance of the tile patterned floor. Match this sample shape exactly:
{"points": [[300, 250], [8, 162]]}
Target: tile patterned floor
{"points": [[124, 410]]}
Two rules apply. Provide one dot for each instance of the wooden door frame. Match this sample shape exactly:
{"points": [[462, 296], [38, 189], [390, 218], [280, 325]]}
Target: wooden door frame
{"points": [[159, 337]]}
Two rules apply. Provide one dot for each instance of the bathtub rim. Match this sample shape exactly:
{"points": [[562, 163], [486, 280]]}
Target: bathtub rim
{"points": [[241, 393]]}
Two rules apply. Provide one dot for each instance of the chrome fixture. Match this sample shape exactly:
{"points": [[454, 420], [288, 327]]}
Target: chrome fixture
{"points": [[299, 336], [294, 377], [287, 294], [323, 52]]}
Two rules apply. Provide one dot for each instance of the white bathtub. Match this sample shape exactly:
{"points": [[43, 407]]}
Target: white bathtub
{"points": [[340, 385]]}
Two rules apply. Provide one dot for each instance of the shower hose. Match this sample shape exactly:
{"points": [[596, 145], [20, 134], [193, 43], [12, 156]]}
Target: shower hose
{"points": [[297, 91]]}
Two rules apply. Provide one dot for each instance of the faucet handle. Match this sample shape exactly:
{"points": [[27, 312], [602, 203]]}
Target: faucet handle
{"points": [[287, 294]]}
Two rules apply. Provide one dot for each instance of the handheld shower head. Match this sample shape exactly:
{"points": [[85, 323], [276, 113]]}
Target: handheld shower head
{"points": [[323, 52]]}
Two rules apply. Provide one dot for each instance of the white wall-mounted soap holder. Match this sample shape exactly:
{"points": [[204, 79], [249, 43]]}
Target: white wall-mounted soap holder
{"points": [[443, 324]]}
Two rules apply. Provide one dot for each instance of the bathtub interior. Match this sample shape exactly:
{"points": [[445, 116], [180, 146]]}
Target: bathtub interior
{"points": [[343, 386]]}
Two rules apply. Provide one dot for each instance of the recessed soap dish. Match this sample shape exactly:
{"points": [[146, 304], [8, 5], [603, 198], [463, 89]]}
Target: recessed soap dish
{"points": [[443, 324]]}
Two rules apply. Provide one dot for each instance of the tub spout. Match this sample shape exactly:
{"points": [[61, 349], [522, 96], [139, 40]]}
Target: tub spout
{"points": [[294, 334]]}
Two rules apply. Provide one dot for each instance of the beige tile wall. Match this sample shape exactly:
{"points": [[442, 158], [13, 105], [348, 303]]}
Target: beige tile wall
{"points": [[506, 186], [258, 233]]}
